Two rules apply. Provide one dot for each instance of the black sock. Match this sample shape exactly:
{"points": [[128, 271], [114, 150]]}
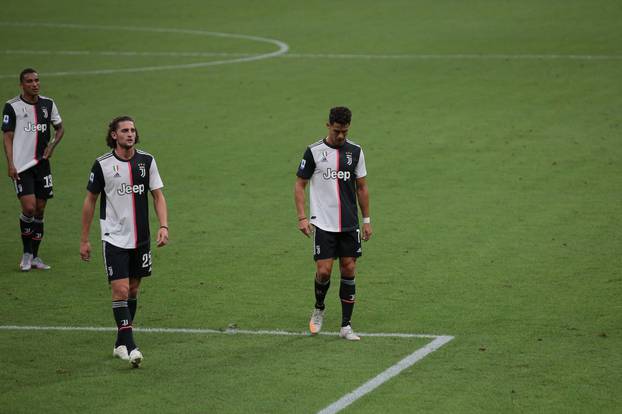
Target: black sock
{"points": [[131, 305], [347, 294], [37, 235], [26, 225], [124, 325], [320, 293]]}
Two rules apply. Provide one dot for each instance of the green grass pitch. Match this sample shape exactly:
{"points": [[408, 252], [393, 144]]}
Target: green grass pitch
{"points": [[491, 131]]}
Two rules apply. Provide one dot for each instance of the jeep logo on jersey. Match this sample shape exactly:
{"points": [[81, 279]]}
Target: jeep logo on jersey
{"points": [[30, 127], [129, 189], [142, 169], [340, 175]]}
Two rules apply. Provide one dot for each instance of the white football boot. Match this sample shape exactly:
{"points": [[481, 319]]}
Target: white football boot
{"points": [[346, 332], [135, 358], [121, 353], [37, 263], [315, 324], [26, 263]]}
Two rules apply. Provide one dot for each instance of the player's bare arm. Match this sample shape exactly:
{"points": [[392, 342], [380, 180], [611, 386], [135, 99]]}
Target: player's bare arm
{"points": [[159, 203], [59, 131], [88, 210], [8, 151], [362, 194], [299, 197]]}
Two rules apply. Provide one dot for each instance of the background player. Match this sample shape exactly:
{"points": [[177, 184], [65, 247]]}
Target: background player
{"points": [[124, 176], [26, 121], [336, 168]]}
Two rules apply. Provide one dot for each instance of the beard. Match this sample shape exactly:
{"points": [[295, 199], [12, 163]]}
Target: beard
{"points": [[125, 146]]}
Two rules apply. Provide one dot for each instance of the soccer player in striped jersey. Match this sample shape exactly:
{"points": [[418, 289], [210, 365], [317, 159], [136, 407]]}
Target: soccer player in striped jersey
{"points": [[124, 177], [335, 166], [26, 128]]}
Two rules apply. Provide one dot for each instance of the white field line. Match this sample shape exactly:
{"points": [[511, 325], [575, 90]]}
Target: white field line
{"points": [[412, 56], [394, 370], [230, 331], [282, 47], [386, 375]]}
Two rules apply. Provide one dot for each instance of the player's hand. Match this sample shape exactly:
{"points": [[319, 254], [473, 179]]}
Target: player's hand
{"points": [[366, 231], [85, 251], [162, 237], [13, 173], [47, 153], [304, 227]]}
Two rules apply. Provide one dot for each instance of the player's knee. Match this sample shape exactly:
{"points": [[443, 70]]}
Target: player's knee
{"points": [[120, 292], [28, 210], [347, 269], [323, 273]]}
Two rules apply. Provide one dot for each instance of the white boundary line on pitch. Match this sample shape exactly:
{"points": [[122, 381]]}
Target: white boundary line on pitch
{"points": [[412, 56], [394, 370], [282, 47]]}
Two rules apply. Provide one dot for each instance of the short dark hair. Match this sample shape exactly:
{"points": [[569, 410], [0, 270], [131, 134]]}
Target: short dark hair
{"points": [[26, 72], [340, 115], [114, 125]]}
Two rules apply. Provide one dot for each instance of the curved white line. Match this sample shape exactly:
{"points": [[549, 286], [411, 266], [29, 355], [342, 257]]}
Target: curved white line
{"points": [[282, 47]]}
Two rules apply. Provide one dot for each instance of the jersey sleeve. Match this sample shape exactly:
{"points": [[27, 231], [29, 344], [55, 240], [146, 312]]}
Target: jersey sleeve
{"points": [[307, 165], [155, 181], [8, 118], [96, 182], [56, 119], [360, 170]]}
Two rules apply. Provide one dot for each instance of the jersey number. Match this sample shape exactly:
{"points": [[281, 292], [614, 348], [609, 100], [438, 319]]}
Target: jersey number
{"points": [[147, 259], [48, 181]]}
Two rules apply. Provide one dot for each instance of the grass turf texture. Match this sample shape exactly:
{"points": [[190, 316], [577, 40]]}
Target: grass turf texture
{"points": [[495, 189]]}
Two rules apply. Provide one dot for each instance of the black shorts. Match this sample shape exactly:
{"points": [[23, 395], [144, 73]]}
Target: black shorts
{"points": [[331, 245], [121, 263], [36, 180]]}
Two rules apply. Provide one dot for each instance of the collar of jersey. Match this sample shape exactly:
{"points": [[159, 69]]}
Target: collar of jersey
{"points": [[28, 103], [333, 146], [121, 159]]}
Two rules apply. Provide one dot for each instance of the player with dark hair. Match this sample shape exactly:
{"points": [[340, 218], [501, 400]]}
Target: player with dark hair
{"points": [[124, 176], [26, 121], [335, 166]]}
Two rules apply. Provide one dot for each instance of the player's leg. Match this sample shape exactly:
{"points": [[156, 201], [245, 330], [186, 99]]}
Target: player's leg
{"points": [[116, 261], [135, 356], [37, 234], [43, 192], [323, 253], [347, 288], [132, 299], [349, 249], [140, 266], [26, 223]]}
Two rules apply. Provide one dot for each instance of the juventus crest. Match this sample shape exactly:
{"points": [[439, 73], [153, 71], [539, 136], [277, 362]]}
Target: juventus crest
{"points": [[143, 170], [349, 158]]}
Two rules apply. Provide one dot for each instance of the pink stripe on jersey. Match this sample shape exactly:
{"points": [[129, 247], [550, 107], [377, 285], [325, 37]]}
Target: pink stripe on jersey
{"points": [[338, 195], [129, 166], [34, 109]]}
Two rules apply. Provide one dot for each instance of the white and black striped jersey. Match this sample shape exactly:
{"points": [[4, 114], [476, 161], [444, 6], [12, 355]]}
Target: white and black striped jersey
{"points": [[31, 126], [333, 172], [124, 187]]}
